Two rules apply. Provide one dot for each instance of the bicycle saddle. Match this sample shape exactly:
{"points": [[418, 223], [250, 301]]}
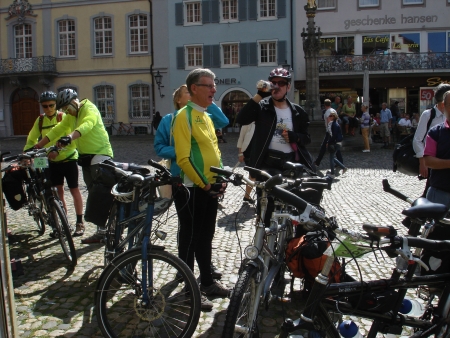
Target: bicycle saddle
{"points": [[423, 208]]}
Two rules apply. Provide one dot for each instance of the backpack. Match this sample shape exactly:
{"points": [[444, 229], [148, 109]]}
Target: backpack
{"points": [[404, 157], [59, 116], [305, 259]]}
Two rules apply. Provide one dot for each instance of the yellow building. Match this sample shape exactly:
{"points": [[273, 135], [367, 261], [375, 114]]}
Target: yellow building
{"points": [[102, 49]]}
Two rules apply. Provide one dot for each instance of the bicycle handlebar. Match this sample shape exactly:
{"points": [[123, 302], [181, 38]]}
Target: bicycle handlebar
{"points": [[29, 154], [398, 194]]}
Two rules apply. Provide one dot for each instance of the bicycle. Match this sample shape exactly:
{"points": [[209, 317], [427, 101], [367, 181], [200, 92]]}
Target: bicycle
{"points": [[126, 129], [377, 300], [263, 266], [146, 291], [43, 202]]}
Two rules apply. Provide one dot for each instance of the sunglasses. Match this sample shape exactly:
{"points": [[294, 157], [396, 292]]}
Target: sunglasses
{"points": [[210, 86], [48, 105], [280, 83]]}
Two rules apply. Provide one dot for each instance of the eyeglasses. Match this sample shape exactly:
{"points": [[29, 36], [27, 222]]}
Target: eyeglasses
{"points": [[210, 86], [48, 105], [279, 83]]}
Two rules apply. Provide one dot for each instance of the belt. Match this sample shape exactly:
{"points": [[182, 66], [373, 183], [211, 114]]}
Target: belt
{"points": [[383, 122]]}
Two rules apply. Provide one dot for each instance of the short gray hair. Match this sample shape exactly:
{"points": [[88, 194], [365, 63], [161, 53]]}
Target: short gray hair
{"points": [[195, 75]]}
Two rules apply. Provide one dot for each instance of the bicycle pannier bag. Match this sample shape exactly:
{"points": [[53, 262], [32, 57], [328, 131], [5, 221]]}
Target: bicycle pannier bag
{"points": [[13, 188], [305, 259]]}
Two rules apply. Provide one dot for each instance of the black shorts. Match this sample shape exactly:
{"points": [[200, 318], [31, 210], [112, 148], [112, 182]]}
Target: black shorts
{"points": [[59, 170]]}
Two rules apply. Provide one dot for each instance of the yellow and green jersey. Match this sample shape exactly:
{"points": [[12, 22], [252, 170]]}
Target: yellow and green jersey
{"points": [[196, 146]]}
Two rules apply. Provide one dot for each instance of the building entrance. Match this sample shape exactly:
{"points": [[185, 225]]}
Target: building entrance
{"points": [[25, 110], [232, 104]]}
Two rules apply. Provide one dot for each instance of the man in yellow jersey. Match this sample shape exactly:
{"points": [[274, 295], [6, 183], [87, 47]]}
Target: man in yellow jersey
{"points": [[196, 151]]}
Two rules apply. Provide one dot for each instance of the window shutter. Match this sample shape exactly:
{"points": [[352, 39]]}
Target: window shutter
{"points": [[207, 56], [179, 18], [215, 12], [205, 12], [281, 8], [180, 58], [215, 56], [252, 54], [281, 51], [242, 10], [243, 54], [252, 9]]}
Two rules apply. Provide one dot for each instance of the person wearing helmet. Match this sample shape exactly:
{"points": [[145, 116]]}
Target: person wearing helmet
{"points": [[281, 127], [436, 115], [84, 126], [63, 163]]}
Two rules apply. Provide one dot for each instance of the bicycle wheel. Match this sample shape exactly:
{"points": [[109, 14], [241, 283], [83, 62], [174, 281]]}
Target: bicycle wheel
{"points": [[174, 307], [242, 302], [35, 209], [64, 234]]}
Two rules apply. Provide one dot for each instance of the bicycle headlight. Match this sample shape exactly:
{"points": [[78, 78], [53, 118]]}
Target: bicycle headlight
{"points": [[251, 252]]}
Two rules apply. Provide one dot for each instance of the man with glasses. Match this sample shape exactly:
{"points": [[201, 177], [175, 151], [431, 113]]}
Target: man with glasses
{"points": [[281, 127], [62, 164], [83, 124], [196, 150]]}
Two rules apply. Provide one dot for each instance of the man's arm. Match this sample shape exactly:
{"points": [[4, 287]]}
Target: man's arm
{"points": [[418, 142], [33, 136], [436, 163], [249, 113], [301, 135], [217, 116]]}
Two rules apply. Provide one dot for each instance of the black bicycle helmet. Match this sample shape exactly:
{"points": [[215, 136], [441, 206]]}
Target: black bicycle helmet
{"points": [[280, 72], [47, 96], [65, 97]]}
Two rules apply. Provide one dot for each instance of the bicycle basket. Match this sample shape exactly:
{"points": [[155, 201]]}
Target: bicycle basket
{"points": [[123, 192]]}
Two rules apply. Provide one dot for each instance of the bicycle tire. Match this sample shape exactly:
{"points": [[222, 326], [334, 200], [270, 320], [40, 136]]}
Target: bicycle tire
{"points": [[35, 207], [63, 230], [242, 299], [173, 312], [443, 330]]}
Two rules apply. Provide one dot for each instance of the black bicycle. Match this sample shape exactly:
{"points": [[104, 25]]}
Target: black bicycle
{"points": [[144, 291], [43, 202]]}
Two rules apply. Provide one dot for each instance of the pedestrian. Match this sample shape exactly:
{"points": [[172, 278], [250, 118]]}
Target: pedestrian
{"points": [[348, 116], [385, 125], [63, 163], [334, 142], [431, 117], [156, 120], [196, 150], [244, 146], [83, 125], [323, 147], [281, 127], [365, 126], [395, 111], [337, 105]]}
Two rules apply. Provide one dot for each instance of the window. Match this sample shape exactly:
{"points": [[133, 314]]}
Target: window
{"points": [[267, 53], [140, 101], [66, 37], [104, 100], [327, 46], [194, 57], [193, 13], [375, 44], [229, 10], [369, 3], [345, 45], [267, 9], [23, 41], [412, 2], [103, 36], [326, 4], [437, 42], [230, 56], [138, 33], [405, 43]]}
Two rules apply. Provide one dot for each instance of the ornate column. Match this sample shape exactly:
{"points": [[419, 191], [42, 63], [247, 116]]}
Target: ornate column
{"points": [[311, 49]]}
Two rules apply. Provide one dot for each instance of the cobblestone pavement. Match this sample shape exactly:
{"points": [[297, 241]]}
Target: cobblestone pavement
{"points": [[54, 301]]}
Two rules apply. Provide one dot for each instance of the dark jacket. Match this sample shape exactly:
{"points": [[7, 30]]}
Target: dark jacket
{"points": [[337, 134], [265, 117]]}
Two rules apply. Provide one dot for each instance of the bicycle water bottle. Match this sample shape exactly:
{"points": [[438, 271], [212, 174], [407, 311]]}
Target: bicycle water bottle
{"points": [[411, 307], [348, 329]]}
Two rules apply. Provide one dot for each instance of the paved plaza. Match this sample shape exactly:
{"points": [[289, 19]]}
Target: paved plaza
{"points": [[54, 301]]}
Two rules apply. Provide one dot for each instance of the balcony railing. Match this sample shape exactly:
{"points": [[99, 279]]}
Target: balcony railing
{"points": [[39, 64], [384, 62]]}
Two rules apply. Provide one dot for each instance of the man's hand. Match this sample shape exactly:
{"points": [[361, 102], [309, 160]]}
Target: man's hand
{"points": [[52, 155], [217, 189], [64, 141], [423, 169]]}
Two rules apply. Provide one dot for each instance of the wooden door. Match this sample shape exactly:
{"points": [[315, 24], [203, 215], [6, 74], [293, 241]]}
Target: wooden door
{"points": [[25, 110]]}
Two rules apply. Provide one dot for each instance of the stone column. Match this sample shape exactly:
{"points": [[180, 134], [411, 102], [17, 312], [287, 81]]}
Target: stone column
{"points": [[311, 50]]}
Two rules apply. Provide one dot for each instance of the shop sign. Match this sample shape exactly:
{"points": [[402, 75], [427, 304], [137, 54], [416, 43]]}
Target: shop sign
{"points": [[426, 94], [435, 81], [227, 81]]}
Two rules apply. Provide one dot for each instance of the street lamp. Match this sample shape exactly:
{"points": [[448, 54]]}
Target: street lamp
{"points": [[158, 78]]}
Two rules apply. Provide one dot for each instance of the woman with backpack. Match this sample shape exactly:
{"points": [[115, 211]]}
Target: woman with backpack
{"points": [[333, 140], [61, 165]]}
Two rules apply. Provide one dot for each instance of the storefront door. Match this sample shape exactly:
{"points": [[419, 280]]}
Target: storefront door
{"points": [[232, 104], [25, 110]]}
